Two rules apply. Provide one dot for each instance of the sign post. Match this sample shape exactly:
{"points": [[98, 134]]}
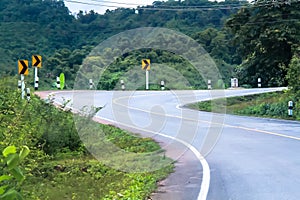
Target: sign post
{"points": [[36, 79], [147, 80], [22, 86], [36, 63], [146, 66]]}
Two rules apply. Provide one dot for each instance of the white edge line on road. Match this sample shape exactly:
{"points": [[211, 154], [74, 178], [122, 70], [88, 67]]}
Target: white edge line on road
{"points": [[205, 167]]}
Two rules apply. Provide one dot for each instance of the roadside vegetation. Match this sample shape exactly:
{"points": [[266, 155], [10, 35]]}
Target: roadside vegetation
{"points": [[271, 105], [58, 165]]}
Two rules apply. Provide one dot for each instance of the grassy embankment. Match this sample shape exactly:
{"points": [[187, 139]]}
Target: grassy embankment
{"points": [[59, 166], [271, 105]]}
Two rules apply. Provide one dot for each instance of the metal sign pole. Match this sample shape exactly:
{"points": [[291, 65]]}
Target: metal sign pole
{"points": [[147, 79], [22, 86], [36, 78]]}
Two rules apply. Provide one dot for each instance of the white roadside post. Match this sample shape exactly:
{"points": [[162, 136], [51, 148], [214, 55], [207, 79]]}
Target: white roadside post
{"points": [[58, 83], [162, 85], [91, 84], [236, 82], [259, 82], [19, 84], [209, 84], [122, 85], [28, 94], [290, 108]]}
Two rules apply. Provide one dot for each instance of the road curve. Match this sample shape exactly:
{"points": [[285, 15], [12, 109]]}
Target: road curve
{"points": [[245, 158]]}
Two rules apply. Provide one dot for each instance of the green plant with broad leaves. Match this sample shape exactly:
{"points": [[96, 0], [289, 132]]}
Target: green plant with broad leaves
{"points": [[12, 175]]}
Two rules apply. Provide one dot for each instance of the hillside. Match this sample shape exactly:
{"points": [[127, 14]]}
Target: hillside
{"points": [[47, 28]]}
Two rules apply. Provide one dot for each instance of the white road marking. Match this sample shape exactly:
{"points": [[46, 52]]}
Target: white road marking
{"points": [[208, 122], [206, 170], [205, 167]]}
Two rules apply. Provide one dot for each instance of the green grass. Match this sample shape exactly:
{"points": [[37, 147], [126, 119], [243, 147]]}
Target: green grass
{"points": [[86, 178], [71, 175], [271, 105], [60, 166]]}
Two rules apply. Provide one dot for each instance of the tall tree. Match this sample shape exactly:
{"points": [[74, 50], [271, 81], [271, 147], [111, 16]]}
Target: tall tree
{"points": [[293, 75], [268, 34]]}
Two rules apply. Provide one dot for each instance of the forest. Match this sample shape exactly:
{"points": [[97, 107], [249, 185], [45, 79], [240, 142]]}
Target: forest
{"points": [[245, 40], [64, 40]]}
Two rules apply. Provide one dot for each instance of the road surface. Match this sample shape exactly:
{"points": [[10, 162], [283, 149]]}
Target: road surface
{"points": [[218, 156]]}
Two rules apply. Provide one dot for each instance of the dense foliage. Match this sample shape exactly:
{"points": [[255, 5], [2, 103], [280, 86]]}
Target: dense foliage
{"points": [[58, 164], [273, 105], [46, 27], [267, 34], [293, 75], [11, 175]]}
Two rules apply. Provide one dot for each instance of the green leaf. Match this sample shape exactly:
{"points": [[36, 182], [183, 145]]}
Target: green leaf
{"points": [[2, 189], [5, 178], [9, 150], [11, 194], [23, 153], [12, 161], [17, 173]]}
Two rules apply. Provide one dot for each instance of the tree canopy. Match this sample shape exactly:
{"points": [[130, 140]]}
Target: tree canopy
{"points": [[267, 34], [258, 41], [47, 27]]}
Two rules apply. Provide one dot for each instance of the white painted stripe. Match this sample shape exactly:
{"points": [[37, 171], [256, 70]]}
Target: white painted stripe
{"points": [[206, 170], [205, 167]]}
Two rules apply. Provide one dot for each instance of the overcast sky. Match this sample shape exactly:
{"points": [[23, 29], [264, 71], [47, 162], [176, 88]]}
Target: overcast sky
{"points": [[100, 6]]}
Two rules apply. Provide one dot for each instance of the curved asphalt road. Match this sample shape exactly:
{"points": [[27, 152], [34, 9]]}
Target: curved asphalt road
{"points": [[248, 158]]}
